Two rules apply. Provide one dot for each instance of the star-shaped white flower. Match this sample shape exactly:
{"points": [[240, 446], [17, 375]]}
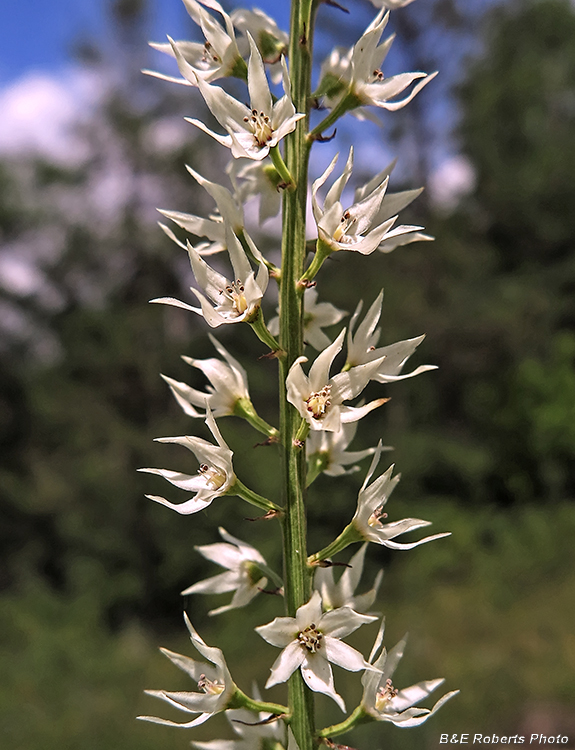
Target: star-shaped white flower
{"points": [[319, 398], [370, 503], [257, 179], [252, 130], [362, 347], [217, 227], [214, 478], [213, 679], [342, 593], [272, 42], [383, 702], [329, 450], [243, 575], [391, 205], [217, 57], [358, 227], [335, 76], [368, 83], [310, 641], [316, 315], [231, 301], [228, 384]]}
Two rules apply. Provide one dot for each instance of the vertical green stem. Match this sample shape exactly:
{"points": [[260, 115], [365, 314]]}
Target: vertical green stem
{"points": [[296, 573]]}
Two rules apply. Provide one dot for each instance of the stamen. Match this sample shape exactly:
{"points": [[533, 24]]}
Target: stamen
{"points": [[374, 519], [209, 57], [318, 403], [310, 638], [261, 127], [385, 693], [215, 477], [211, 687], [345, 224], [236, 294]]}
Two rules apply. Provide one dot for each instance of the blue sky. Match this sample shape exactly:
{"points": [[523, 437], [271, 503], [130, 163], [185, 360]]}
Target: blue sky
{"points": [[42, 92], [38, 34]]}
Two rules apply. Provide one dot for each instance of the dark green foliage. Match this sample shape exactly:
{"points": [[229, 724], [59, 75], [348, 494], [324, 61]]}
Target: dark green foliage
{"points": [[518, 129]]}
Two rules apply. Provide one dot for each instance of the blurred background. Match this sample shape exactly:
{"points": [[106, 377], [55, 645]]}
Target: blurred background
{"points": [[89, 569]]}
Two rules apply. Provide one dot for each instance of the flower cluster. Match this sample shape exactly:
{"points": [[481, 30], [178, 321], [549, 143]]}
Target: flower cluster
{"points": [[321, 404]]}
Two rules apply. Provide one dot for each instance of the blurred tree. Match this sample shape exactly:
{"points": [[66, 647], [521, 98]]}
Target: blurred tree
{"points": [[497, 288], [82, 350], [519, 105]]}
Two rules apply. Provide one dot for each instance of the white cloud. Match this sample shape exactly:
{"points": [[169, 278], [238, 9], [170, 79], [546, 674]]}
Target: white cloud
{"points": [[21, 261], [40, 113], [168, 134], [453, 179]]}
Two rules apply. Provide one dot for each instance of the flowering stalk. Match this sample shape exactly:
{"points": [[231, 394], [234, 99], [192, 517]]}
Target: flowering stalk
{"points": [[297, 577], [316, 421]]}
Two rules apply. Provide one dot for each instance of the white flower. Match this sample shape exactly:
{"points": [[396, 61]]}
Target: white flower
{"points": [[259, 179], [310, 641], [342, 593], [358, 227], [383, 702], [252, 130], [316, 315], [215, 228], [229, 384], [370, 504], [368, 83], [272, 42], [361, 347], [391, 205], [215, 682], [243, 575], [328, 449], [319, 398], [231, 301], [214, 478], [217, 57], [335, 76]]}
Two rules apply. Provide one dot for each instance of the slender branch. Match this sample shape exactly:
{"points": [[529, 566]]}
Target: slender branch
{"points": [[274, 270], [263, 334], [348, 102], [239, 488], [245, 409], [297, 575], [241, 700], [323, 251], [359, 716], [280, 165], [348, 536]]}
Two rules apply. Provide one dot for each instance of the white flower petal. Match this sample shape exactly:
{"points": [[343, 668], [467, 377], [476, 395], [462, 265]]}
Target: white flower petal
{"points": [[340, 653], [290, 659], [220, 584], [186, 725], [318, 676], [280, 631], [309, 613], [342, 621]]}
